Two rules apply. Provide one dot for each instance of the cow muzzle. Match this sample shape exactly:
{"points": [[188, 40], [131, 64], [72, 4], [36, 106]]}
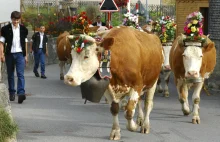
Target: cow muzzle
{"points": [[167, 68], [69, 80], [193, 77]]}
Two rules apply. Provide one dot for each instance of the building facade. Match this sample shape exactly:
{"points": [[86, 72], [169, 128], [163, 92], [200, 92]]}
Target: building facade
{"points": [[185, 7]]}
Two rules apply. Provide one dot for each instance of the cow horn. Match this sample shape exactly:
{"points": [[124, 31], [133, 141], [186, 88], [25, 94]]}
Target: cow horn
{"points": [[70, 36], [206, 41], [181, 38]]}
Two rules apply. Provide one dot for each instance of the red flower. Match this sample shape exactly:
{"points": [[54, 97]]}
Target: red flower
{"points": [[78, 50], [188, 31], [85, 41]]}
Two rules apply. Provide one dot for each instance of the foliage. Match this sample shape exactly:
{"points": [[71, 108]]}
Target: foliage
{"points": [[31, 18], [121, 3], [193, 27], [56, 28], [92, 11], [8, 128], [73, 24]]}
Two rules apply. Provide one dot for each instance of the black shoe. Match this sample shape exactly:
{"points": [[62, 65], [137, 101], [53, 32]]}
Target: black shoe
{"points": [[21, 98], [12, 97], [43, 76], [36, 74]]}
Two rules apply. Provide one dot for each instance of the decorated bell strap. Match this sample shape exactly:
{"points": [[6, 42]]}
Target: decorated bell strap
{"points": [[193, 43], [104, 68]]}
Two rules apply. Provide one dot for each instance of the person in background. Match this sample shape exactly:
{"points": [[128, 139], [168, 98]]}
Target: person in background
{"points": [[14, 38], [98, 22], [39, 47]]}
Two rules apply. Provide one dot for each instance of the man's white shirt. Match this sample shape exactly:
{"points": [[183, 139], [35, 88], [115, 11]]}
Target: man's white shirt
{"points": [[41, 40]]}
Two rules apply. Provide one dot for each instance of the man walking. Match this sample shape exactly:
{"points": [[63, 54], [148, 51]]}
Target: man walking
{"points": [[14, 37], [39, 46]]}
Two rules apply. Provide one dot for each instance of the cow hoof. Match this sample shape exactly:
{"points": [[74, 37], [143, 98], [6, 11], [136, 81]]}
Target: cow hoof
{"points": [[61, 77], [145, 130], [132, 126], [166, 94], [196, 121], [185, 109], [115, 134], [139, 121]]}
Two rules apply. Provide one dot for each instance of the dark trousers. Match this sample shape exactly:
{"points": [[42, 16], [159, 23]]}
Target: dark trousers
{"points": [[15, 60], [39, 57]]}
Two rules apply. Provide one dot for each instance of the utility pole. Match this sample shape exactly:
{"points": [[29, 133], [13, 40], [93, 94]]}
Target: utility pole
{"points": [[147, 13]]}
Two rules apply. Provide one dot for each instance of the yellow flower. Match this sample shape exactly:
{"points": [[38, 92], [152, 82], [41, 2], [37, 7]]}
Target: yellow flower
{"points": [[164, 40], [195, 22], [189, 25], [193, 29]]}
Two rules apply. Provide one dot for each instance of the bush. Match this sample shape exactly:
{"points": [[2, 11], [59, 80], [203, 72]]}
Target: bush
{"points": [[8, 128]]}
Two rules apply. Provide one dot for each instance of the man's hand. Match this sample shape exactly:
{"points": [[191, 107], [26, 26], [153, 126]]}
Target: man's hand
{"points": [[47, 54], [2, 58], [26, 60]]}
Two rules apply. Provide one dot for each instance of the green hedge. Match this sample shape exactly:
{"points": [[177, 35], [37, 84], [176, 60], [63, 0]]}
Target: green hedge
{"points": [[8, 128]]}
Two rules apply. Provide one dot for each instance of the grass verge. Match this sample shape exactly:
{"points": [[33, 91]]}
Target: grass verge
{"points": [[8, 128]]}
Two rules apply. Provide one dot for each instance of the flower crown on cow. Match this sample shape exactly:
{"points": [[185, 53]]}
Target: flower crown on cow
{"points": [[130, 20], [193, 27], [168, 29], [80, 43], [80, 24]]}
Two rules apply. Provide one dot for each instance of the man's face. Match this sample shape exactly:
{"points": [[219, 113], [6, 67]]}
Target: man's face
{"points": [[42, 29], [15, 22], [98, 19]]}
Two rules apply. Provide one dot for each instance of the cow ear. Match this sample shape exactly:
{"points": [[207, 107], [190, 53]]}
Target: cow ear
{"points": [[209, 46], [107, 43]]}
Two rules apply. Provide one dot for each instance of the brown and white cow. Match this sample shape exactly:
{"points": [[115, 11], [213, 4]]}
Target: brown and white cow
{"points": [[191, 64], [63, 52], [64, 47], [166, 70], [133, 68]]}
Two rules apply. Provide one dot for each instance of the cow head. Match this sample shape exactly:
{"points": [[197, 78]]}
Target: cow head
{"points": [[166, 50], [84, 60], [193, 56]]}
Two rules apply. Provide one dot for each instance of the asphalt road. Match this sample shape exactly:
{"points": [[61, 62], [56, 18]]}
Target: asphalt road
{"points": [[55, 112]]}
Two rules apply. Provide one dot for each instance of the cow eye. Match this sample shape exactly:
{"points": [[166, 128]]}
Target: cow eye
{"points": [[184, 56], [86, 57]]}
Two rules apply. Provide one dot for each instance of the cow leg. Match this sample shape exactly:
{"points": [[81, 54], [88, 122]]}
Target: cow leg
{"points": [[159, 87], [145, 128], [130, 110], [183, 96], [62, 64], [116, 132], [166, 88], [140, 116], [196, 101]]}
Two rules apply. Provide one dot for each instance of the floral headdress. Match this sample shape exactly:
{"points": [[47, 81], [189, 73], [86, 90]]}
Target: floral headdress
{"points": [[193, 27], [80, 43], [168, 28], [80, 24], [156, 27], [130, 20]]}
